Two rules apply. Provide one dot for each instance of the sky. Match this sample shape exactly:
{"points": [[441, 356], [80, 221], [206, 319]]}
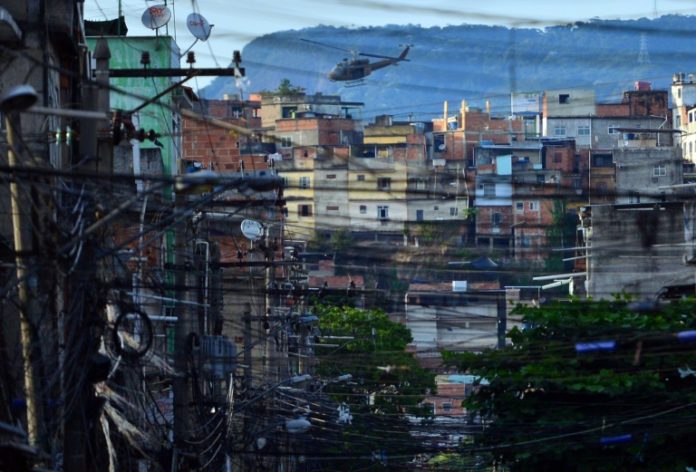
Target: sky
{"points": [[238, 23]]}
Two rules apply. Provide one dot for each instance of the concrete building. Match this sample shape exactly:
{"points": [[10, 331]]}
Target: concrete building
{"points": [[399, 142], [127, 53], [375, 186], [454, 137], [683, 94], [645, 175], [565, 103], [275, 107], [641, 118], [316, 190], [458, 315], [635, 248]]}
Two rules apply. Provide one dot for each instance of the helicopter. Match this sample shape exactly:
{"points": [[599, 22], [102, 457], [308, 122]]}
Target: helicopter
{"points": [[354, 70]]}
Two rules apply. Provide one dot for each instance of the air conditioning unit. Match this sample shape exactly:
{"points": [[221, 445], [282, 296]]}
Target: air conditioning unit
{"points": [[459, 285]]}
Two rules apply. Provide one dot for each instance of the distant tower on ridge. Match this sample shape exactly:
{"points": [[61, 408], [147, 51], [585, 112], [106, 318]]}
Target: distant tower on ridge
{"points": [[643, 55]]}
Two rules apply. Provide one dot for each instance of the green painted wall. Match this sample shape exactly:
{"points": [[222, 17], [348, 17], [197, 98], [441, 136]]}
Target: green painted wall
{"points": [[164, 53]]}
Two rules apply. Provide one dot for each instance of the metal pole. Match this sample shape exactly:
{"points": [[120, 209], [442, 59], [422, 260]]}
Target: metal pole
{"points": [[26, 331]]}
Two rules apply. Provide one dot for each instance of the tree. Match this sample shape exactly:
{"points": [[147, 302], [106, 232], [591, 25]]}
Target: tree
{"points": [[285, 88], [548, 407], [560, 234], [387, 382]]}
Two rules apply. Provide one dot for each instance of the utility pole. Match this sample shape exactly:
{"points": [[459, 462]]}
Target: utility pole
{"points": [[248, 346], [501, 306], [22, 272], [183, 330], [83, 314]]}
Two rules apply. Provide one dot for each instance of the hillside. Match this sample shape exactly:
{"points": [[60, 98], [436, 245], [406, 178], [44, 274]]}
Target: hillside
{"points": [[473, 62]]}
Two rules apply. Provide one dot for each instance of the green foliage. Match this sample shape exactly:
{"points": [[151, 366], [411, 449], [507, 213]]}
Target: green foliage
{"points": [[387, 380], [340, 240], [550, 406], [561, 233], [285, 88]]}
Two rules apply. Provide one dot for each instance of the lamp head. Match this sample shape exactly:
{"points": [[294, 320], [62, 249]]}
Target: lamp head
{"points": [[18, 98]]}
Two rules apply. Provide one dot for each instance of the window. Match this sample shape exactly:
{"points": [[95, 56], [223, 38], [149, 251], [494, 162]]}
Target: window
{"points": [[496, 219], [454, 211], [383, 212], [436, 208], [360, 177], [331, 207], [540, 178], [557, 157], [305, 182], [288, 112], [331, 176], [519, 207], [559, 130], [602, 160], [447, 407], [613, 129], [384, 183], [564, 98], [304, 210], [678, 121], [583, 130], [533, 205], [660, 170], [489, 190], [285, 142], [363, 209], [419, 215]]}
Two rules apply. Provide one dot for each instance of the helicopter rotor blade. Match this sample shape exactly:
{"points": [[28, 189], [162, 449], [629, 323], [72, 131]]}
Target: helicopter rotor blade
{"points": [[382, 57], [326, 45]]}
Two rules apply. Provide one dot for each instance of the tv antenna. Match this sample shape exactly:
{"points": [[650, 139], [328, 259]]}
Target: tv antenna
{"points": [[156, 16], [199, 28]]}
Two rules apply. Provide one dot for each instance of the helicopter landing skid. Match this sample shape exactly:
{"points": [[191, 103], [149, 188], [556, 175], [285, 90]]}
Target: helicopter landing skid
{"points": [[354, 83]]}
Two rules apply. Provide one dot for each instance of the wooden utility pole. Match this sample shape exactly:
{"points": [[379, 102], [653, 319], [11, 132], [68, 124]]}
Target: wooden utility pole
{"points": [[22, 272]]}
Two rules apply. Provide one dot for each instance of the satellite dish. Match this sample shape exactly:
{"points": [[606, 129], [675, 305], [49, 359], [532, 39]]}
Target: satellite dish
{"points": [[252, 230], [198, 26], [156, 16]]}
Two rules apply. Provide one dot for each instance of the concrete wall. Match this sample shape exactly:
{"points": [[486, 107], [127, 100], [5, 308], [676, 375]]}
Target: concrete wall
{"points": [[566, 102], [641, 171], [571, 127], [636, 249]]}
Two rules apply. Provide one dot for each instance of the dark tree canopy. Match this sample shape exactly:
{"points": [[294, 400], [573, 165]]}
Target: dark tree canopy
{"points": [[549, 406], [387, 381]]}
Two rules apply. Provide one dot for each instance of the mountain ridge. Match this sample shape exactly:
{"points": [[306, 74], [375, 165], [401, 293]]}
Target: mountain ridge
{"points": [[473, 62]]}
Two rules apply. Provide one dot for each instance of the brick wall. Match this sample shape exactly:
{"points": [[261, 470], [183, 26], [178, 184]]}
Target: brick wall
{"points": [[217, 148], [612, 109]]}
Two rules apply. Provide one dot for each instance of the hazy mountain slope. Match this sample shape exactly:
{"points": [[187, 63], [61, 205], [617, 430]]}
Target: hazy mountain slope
{"points": [[473, 62]]}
